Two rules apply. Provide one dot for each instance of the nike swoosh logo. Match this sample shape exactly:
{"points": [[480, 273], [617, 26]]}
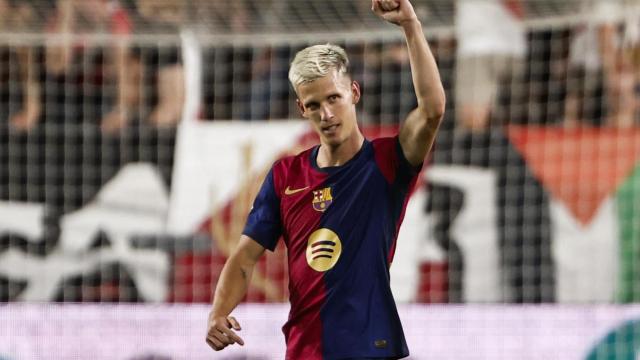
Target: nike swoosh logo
{"points": [[289, 191]]}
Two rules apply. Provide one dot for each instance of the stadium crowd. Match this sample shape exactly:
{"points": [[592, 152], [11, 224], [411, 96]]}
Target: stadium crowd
{"points": [[82, 88]]}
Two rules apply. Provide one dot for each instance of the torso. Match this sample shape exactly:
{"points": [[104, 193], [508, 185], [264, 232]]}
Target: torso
{"points": [[340, 225]]}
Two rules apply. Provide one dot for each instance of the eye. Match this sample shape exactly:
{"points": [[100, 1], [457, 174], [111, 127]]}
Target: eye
{"points": [[333, 98], [312, 107]]}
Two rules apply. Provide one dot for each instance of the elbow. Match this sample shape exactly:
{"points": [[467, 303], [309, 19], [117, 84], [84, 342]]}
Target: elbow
{"points": [[438, 110], [433, 108]]}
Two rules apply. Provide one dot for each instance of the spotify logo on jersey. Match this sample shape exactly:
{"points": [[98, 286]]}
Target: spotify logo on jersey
{"points": [[323, 249]]}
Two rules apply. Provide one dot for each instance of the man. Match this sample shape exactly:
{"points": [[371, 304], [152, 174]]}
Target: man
{"points": [[604, 62], [338, 207], [491, 48]]}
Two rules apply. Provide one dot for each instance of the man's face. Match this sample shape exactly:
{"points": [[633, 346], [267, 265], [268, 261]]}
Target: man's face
{"points": [[329, 102]]}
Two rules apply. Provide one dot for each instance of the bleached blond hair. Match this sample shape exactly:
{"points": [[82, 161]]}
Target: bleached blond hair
{"points": [[316, 61]]}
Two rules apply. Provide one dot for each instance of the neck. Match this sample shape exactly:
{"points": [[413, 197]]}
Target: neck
{"points": [[336, 155]]}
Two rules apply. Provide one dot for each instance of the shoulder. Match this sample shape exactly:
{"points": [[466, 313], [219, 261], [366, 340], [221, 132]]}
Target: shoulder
{"points": [[385, 155], [292, 165], [391, 161], [385, 146], [299, 160]]}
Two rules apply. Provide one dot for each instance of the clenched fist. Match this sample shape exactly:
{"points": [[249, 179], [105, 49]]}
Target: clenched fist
{"points": [[394, 11]]}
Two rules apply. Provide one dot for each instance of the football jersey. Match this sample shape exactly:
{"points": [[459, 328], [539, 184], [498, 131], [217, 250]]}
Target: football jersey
{"points": [[339, 225]]}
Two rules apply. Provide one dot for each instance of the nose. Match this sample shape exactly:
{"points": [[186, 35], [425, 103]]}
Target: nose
{"points": [[326, 113]]}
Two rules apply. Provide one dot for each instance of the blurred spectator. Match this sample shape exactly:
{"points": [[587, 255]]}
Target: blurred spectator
{"points": [[386, 83], [397, 86], [224, 16], [165, 14], [605, 66], [21, 17], [491, 49], [546, 78], [164, 62], [269, 87], [83, 64], [17, 16], [5, 14]]}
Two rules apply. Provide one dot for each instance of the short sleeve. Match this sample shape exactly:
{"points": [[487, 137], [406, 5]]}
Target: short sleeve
{"points": [[392, 163], [406, 171], [263, 223]]}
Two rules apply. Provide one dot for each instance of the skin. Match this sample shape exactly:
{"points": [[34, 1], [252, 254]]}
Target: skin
{"points": [[329, 103], [58, 61], [476, 116]]}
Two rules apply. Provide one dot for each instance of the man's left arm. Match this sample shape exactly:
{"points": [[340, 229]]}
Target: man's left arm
{"points": [[418, 131]]}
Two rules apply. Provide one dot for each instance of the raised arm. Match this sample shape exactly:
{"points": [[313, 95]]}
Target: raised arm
{"points": [[419, 129], [232, 287]]}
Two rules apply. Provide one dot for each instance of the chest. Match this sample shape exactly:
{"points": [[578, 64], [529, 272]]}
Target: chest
{"points": [[311, 198]]}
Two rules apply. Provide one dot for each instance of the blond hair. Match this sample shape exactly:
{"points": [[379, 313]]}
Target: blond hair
{"points": [[317, 61]]}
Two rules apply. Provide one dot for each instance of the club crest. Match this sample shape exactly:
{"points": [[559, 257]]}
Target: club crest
{"points": [[322, 199]]}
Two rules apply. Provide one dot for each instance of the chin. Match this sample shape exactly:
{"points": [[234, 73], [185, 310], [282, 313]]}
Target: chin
{"points": [[332, 141], [335, 139]]}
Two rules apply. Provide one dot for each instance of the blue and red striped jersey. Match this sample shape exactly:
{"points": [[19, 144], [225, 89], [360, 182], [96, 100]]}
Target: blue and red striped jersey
{"points": [[340, 226]]}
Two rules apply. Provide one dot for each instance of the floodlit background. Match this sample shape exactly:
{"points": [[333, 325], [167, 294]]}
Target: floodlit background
{"points": [[134, 135]]}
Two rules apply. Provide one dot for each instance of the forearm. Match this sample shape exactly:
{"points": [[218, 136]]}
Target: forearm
{"points": [[232, 286], [607, 48], [125, 101], [424, 71], [58, 49], [28, 78]]}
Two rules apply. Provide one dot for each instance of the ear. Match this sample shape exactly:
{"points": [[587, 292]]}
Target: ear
{"points": [[355, 92], [300, 108]]}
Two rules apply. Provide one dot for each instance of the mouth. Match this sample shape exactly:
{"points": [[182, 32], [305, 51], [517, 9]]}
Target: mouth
{"points": [[330, 130]]}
